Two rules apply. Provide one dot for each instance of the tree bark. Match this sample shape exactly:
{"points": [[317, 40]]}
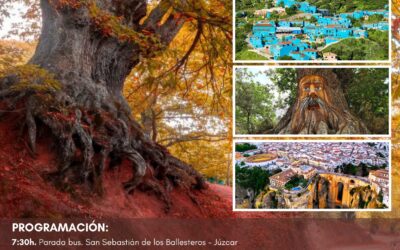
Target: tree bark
{"points": [[324, 111], [89, 117]]}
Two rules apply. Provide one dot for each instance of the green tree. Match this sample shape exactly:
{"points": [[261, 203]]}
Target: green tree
{"points": [[286, 81], [367, 93], [254, 107], [287, 58], [313, 19], [242, 147], [254, 178], [291, 10]]}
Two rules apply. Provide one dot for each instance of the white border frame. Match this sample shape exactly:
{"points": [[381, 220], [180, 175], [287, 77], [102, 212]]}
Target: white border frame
{"points": [[389, 209], [310, 136], [310, 61]]}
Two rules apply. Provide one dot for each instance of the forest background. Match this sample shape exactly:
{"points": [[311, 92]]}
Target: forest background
{"points": [[181, 97]]}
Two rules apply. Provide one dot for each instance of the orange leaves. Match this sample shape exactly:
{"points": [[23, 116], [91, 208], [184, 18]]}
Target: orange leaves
{"points": [[147, 32], [178, 15], [61, 117], [187, 17], [110, 25], [200, 86], [106, 31], [74, 4], [124, 38]]}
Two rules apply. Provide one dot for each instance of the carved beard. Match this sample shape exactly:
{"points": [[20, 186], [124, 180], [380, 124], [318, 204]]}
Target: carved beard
{"points": [[314, 116]]}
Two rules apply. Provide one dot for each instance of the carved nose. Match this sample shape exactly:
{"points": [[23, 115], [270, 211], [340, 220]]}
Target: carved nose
{"points": [[313, 95]]}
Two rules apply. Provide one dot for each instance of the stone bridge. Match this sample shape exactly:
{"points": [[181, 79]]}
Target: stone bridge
{"points": [[340, 186]]}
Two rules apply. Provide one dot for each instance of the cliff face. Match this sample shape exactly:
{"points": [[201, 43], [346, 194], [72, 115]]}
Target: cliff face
{"points": [[364, 197], [300, 200], [320, 194], [273, 199], [360, 197], [267, 199], [244, 197]]}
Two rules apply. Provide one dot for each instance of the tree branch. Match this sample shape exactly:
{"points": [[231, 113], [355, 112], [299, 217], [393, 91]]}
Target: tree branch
{"points": [[170, 141], [167, 30]]}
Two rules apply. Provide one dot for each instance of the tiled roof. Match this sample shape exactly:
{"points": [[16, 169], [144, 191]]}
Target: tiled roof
{"points": [[264, 24], [284, 176]]}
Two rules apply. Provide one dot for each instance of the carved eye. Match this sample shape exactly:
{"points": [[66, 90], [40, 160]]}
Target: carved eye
{"points": [[317, 88], [307, 89]]}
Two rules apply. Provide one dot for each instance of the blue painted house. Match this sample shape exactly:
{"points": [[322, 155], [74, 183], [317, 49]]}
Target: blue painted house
{"points": [[312, 32], [307, 8], [256, 42], [343, 33], [311, 53], [346, 15], [282, 49], [358, 14], [298, 56], [330, 39], [329, 30], [346, 22], [323, 21], [377, 26], [359, 33], [264, 28], [324, 12], [383, 13], [284, 24], [271, 40], [317, 15], [298, 23], [289, 30], [286, 3]]}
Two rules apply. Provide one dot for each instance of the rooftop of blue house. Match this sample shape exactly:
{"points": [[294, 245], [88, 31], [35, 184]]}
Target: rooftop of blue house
{"points": [[304, 36]]}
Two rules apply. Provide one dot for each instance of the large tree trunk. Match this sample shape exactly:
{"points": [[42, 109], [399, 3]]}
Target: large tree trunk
{"points": [[88, 117], [320, 107]]}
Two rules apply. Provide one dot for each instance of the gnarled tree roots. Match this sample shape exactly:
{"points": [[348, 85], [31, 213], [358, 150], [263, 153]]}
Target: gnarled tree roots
{"points": [[90, 140]]}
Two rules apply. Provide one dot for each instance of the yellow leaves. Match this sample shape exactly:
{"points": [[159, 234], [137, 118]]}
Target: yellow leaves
{"points": [[33, 78], [110, 25], [166, 16], [14, 53], [191, 103], [396, 7], [212, 159]]}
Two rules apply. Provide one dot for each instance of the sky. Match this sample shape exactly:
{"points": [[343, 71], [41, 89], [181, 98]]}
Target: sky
{"points": [[264, 79], [15, 17]]}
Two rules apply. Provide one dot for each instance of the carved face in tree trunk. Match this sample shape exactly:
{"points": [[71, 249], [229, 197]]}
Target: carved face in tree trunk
{"points": [[312, 92], [320, 107]]}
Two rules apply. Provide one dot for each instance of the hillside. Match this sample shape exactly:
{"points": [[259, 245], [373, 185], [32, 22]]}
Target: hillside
{"points": [[358, 49], [25, 193], [343, 6]]}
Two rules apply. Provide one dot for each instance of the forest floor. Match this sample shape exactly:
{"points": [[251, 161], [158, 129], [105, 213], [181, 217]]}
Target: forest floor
{"points": [[24, 193]]}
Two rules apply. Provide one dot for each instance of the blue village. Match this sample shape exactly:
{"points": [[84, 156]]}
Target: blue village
{"points": [[293, 38]]}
